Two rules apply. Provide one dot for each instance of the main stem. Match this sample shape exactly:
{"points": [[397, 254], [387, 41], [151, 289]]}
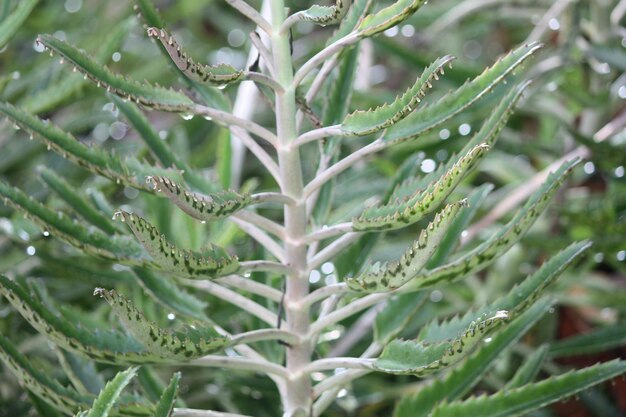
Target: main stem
{"points": [[298, 395]]}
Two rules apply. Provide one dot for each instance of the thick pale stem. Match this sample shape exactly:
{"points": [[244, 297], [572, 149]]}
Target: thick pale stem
{"points": [[298, 395]]}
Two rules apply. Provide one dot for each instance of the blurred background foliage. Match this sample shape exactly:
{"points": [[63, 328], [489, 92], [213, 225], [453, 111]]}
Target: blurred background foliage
{"points": [[575, 106]]}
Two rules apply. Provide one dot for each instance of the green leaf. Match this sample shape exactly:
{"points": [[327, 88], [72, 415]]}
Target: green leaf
{"points": [[202, 207], [598, 340], [501, 241], [519, 401], [213, 262], [517, 300], [403, 210], [529, 368], [89, 240], [192, 342], [392, 275], [167, 293], [464, 377], [32, 378], [217, 75], [81, 372], [420, 359], [396, 315], [388, 17], [110, 393], [168, 399], [57, 93], [11, 24], [366, 122], [142, 93], [325, 15], [431, 116], [351, 20], [76, 201]]}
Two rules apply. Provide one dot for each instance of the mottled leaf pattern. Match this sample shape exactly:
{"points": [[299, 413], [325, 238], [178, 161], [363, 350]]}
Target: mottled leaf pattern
{"points": [[392, 275], [213, 262], [192, 342], [366, 122], [325, 15], [141, 93], [202, 207], [214, 75], [420, 359], [404, 210]]}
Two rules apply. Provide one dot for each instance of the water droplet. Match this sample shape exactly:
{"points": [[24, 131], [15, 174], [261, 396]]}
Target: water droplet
{"points": [[171, 316], [116, 56], [589, 168], [436, 296], [207, 118], [186, 116], [30, 251], [46, 233], [444, 134], [203, 221], [465, 129], [315, 276], [328, 268]]}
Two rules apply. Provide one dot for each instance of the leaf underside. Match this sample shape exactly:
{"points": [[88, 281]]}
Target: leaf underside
{"points": [[325, 15], [370, 121], [202, 207], [213, 262], [392, 275], [402, 211], [142, 93], [420, 359], [215, 75]]}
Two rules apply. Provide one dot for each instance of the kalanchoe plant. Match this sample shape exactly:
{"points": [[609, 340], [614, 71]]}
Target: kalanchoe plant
{"points": [[291, 314]]}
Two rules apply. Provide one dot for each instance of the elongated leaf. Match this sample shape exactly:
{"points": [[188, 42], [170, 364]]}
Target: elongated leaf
{"points": [[516, 402], [168, 399], [221, 74], [142, 93], [11, 24], [366, 122], [190, 343], [468, 374], [89, 240], [517, 300], [599, 340], [81, 372], [325, 15], [57, 93], [392, 275], [213, 262], [397, 314], [453, 103], [36, 381], [402, 211], [110, 393], [389, 16], [77, 202], [529, 369], [501, 241], [202, 207], [419, 359], [351, 20]]}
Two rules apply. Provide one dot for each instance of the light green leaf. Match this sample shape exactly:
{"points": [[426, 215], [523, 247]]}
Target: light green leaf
{"points": [[366, 122], [529, 368], [213, 262], [598, 340], [11, 24], [351, 20], [501, 241], [455, 102], [76, 201], [404, 210], [464, 377], [396, 315], [64, 399], [92, 241], [142, 93], [519, 401], [110, 393], [392, 275], [202, 207], [81, 372], [192, 342], [166, 402], [217, 75], [388, 17], [420, 359], [325, 15]]}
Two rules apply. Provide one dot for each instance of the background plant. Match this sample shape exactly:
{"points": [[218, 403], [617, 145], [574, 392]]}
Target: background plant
{"points": [[336, 204]]}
